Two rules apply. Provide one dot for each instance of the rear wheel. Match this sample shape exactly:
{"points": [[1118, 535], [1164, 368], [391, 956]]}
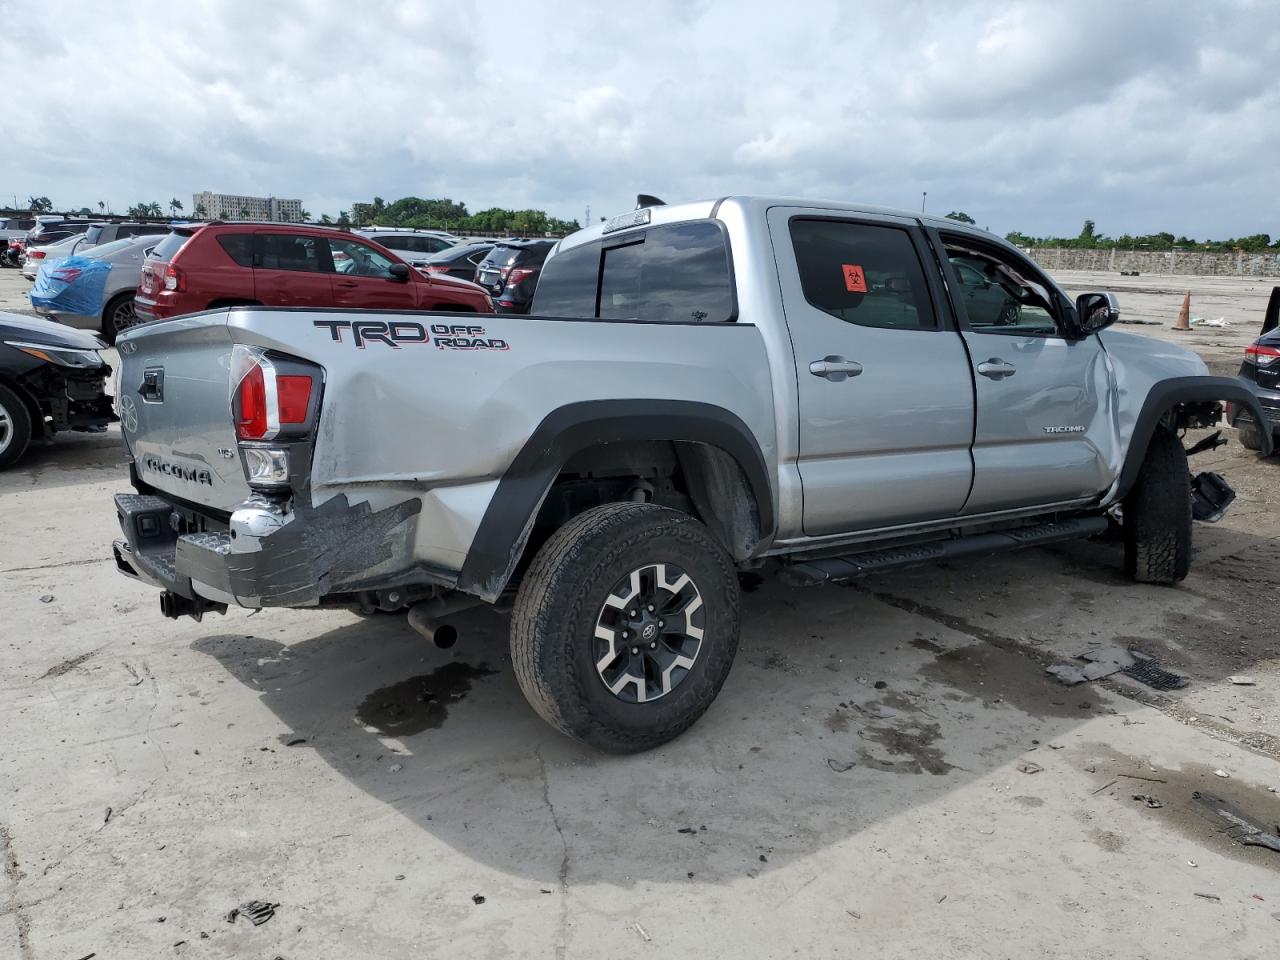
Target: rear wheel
{"points": [[1250, 437], [15, 427], [118, 316], [625, 626], [1157, 514]]}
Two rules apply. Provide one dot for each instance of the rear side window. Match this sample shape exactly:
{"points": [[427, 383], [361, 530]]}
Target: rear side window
{"points": [[167, 248], [93, 234], [282, 251], [862, 273], [238, 246], [678, 273]]}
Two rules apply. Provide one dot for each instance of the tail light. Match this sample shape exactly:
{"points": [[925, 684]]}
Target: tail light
{"points": [[519, 273], [36, 255], [274, 400], [1262, 356], [174, 279]]}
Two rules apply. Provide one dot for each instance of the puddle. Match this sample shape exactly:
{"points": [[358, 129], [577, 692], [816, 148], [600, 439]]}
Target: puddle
{"points": [[1000, 677], [419, 703], [911, 739], [1182, 813]]}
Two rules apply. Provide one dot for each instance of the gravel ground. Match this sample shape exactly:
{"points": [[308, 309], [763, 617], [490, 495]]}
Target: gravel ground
{"points": [[888, 771]]}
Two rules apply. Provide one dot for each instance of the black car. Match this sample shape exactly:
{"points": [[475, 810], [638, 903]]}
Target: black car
{"points": [[51, 378], [510, 272], [52, 231], [1261, 371], [460, 261]]}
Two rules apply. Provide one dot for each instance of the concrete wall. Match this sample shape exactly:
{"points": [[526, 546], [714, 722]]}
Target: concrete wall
{"points": [[1184, 262]]}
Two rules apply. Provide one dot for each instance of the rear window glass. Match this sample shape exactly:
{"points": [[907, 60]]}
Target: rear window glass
{"points": [[675, 273], [106, 249], [862, 273], [239, 247], [93, 234], [501, 256], [170, 245]]}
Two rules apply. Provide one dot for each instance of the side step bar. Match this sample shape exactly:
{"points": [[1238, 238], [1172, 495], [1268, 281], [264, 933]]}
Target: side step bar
{"points": [[854, 565]]}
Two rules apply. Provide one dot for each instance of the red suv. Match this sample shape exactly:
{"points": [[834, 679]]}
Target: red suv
{"points": [[279, 265]]}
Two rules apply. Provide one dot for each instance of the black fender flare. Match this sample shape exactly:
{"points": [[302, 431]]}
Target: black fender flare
{"points": [[508, 520], [1163, 396]]}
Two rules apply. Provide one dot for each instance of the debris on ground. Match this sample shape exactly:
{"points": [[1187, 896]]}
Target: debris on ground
{"points": [[1028, 766], [106, 816], [1138, 776], [477, 899], [396, 767], [1149, 800], [643, 933], [686, 830], [840, 766], [854, 913], [1209, 896], [47, 598], [295, 741], [1104, 661], [1223, 774], [1239, 825], [256, 911], [1242, 681], [1205, 322]]}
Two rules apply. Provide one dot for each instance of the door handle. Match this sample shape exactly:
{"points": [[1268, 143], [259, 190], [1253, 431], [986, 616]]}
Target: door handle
{"points": [[996, 369], [835, 368]]}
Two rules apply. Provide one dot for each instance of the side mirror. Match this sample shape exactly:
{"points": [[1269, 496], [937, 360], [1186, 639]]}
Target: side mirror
{"points": [[1096, 311], [399, 272]]}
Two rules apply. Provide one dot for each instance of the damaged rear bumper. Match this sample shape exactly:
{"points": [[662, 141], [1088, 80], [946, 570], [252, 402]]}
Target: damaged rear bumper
{"points": [[269, 556]]}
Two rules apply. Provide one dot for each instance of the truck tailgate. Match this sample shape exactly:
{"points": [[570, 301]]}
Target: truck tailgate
{"points": [[175, 411]]}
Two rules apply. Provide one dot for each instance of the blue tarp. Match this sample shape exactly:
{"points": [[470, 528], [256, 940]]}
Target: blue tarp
{"points": [[71, 285]]}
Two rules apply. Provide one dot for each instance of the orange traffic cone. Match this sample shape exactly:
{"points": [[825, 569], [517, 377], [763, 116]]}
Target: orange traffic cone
{"points": [[1184, 315]]}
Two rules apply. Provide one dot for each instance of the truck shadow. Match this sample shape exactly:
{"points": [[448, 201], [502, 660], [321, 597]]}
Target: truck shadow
{"points": [[846, 707], [70, 459]]}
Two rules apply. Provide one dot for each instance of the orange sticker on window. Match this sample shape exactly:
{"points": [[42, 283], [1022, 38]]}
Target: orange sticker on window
{"points": [[855, 281]]}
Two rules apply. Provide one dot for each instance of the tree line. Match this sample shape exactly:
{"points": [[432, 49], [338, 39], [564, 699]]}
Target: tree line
{"points": [[445, 214], [1090, 239]]}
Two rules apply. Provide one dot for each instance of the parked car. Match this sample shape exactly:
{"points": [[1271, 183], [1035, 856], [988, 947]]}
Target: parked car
{"points": [[35, 257], [411, 246], [1261, 373], [13, 253], [228, 264], [737, 384], [126, 258], [52, 378], [460, 261], [510, 272], [11, 227], [107, 232], [49, 230]]}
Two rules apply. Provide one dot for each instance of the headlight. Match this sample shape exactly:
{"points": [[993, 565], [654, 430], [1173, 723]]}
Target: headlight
{"points": [[62, 356]]}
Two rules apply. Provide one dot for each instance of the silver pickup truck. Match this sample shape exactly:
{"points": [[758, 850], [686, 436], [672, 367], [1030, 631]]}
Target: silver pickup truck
{"points": [[821, 389]]}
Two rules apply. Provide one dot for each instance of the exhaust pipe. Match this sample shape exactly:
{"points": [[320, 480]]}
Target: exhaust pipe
{"points": [[427, 618]]}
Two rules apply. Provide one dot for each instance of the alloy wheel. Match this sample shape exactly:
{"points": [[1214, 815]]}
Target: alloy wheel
{"points": [[648, 633]]}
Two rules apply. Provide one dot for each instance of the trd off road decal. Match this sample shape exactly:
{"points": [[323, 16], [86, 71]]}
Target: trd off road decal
{"points": [[394, 333], [462, 336]]}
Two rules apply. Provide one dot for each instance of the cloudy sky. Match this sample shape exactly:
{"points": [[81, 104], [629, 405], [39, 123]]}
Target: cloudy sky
{"points": [[1033, 116]]}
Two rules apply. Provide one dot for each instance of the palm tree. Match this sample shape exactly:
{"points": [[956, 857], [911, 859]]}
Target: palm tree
{"points": [[343, 219], [102, 205], [244, 213], [175, 206], [325, 218], [154, 210], [201, 212], [304, 215], [40, 204]]}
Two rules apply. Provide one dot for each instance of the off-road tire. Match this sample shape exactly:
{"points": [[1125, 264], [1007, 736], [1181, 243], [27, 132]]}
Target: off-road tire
{"points": [[1157, 514], [16, 426], [557, 610], [1250, 437]]}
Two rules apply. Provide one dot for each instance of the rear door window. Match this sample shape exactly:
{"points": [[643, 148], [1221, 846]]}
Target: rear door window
{"points": [[862, 273], [677, 273], [282, 251]]}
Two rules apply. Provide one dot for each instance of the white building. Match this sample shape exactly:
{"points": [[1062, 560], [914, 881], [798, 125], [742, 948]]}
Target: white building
{"points": [[228, 206]]}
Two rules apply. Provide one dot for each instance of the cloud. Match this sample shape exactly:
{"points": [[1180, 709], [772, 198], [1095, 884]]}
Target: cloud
{"points": [[1029, 115]]}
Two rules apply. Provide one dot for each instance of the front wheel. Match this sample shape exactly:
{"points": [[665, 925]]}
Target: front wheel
{"points": [[15, 427], [1157, 514], [1250, 437], [625, 626]]}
